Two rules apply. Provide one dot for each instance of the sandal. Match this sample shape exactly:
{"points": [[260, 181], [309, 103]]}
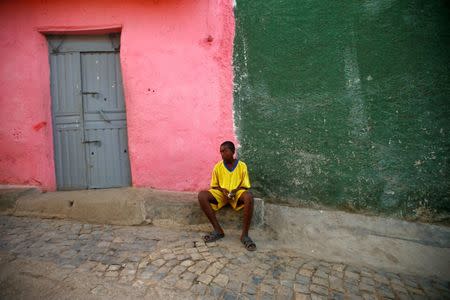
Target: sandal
{"points": [[248, 243], [212, 237]]}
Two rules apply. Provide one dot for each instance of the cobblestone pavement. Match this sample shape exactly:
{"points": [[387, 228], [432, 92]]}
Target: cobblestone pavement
{"points": [[57, 259]]}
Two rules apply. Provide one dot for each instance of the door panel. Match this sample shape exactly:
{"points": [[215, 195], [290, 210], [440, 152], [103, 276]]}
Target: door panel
{"points": [[71, 156], [70, 162], [107, 143], [105, 123], [101, 75]]}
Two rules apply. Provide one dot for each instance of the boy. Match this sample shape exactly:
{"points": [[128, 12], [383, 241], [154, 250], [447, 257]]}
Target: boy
{"points": [[229, 185]]}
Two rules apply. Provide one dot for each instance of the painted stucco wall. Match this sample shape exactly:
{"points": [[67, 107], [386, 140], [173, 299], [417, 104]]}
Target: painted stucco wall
{"points": [[176, 65], [346, 103]]}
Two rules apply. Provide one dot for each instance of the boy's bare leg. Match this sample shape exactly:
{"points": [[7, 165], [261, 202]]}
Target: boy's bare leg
{"points": [[247, 198], [203, 198]]}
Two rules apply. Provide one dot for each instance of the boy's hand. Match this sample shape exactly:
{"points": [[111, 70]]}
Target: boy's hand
{"points": [[229, 195], [225, 192], [232, 194]]}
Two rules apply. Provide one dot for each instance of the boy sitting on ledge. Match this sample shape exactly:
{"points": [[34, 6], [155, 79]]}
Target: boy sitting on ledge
{"points": [[229, 185]]}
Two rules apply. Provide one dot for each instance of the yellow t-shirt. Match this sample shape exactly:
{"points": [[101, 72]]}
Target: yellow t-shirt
{"points": [[230, 180]]}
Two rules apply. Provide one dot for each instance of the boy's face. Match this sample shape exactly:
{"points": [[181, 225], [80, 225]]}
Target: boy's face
{"points": [[227, 154]]}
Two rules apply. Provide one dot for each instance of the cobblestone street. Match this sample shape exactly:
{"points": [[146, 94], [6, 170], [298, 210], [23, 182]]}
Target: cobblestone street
{"points": [[57, 259]]}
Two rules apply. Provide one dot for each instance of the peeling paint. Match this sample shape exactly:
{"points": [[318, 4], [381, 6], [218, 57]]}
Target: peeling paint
{"points": [[39, 125]]}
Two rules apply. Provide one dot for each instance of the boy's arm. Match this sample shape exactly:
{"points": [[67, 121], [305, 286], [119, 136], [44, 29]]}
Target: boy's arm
{"points": [[243, 185], [224, 191], [219, 188], [238, 188]]}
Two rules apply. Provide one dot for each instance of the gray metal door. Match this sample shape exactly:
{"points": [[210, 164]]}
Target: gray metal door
{"points": [[90, 134]]}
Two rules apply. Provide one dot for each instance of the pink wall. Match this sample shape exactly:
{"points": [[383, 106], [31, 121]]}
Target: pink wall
{"points": [[176, 62]]}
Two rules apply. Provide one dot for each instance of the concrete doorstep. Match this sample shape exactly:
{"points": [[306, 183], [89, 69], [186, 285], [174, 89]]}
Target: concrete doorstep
{"points": [[385, 243]]}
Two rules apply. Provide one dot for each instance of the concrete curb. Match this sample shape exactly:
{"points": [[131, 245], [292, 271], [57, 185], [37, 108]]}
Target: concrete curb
{"points": [[95, 206], [9, 196], [366, 240], [124, 206]]}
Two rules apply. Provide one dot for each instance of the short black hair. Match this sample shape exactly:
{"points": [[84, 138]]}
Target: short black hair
{"points": [[230, 146]]}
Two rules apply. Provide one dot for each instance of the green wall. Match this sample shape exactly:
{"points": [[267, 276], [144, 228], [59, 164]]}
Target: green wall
{"points": [[346, 103]]}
